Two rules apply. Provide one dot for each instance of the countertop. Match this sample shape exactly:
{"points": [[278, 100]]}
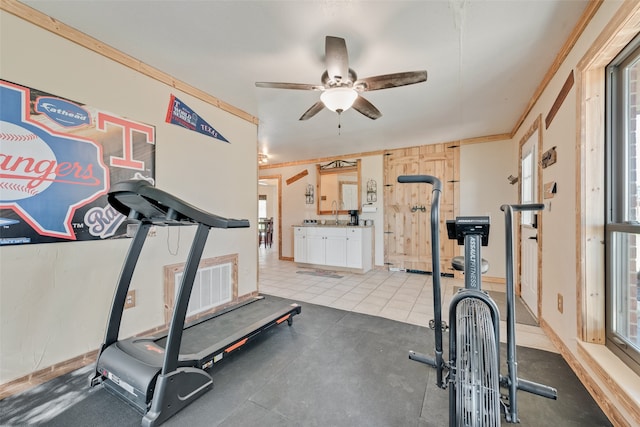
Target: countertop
{"points": [[331, 224]]}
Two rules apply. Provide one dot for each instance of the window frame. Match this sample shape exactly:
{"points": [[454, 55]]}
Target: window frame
{"points": [[616, 199], [529, 179]]}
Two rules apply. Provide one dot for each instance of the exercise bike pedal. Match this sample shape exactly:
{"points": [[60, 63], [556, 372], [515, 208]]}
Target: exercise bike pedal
{"points": [[443, 325]]}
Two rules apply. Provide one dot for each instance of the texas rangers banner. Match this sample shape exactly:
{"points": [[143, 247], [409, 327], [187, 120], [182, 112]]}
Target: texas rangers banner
{"points": [[181, 115], [57, 160]]}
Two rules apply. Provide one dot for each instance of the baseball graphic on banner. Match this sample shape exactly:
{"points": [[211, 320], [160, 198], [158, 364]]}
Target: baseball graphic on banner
{"points": [[27, 164]]}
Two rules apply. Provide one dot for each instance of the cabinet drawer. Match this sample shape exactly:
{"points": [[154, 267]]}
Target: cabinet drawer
{"points": [[326, 231], [354, 233], [334, 232]]}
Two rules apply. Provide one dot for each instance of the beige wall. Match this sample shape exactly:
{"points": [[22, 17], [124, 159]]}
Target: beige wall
{"points": [[55, 308], [614, 385], [295, 210], [54, 297], [484, 169], [484, 187], [559, 226]]}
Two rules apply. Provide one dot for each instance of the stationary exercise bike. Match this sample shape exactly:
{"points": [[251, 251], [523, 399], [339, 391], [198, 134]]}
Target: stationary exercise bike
{"points": [[474, 345]]}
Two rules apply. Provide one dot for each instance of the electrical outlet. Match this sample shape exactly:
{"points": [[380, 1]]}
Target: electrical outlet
{"points": [[133, 228], [560, 303], [130, 301]]}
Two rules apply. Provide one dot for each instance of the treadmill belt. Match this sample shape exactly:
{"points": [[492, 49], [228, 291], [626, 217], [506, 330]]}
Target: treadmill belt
{"points": [[200, 336]]}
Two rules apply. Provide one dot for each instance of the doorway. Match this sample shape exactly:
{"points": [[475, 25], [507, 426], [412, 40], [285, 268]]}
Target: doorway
{"points": [[530, 239], [407, 207], [269, 206]]}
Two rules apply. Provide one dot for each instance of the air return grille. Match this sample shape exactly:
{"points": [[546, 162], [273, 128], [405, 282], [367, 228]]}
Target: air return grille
{"points": [[212, 287]]}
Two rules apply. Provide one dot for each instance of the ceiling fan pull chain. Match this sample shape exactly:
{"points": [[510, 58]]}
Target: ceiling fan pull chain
{"points": [[339, 122]]}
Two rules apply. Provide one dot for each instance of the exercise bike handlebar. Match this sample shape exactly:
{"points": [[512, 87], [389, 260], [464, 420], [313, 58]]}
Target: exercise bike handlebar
{"points": [[513, 382], [438, 362], [539, 389], [427, 179], [525, 207]]}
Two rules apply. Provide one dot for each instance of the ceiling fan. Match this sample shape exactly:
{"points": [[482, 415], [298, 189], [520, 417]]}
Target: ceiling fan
{"points": [[341, 87]]}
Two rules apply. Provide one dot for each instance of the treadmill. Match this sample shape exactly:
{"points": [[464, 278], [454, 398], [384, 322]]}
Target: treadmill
{"points": [[161, 375]]}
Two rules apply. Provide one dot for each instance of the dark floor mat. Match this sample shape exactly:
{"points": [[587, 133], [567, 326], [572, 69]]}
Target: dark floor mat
{"points": [[330, 368]]}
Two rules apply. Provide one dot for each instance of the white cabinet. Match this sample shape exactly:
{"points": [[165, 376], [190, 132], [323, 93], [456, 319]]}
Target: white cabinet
{"points": [[326, 246], [360, 248], [343, 247], [335, 247], [315, 248], [354, 248], [300, 244]]}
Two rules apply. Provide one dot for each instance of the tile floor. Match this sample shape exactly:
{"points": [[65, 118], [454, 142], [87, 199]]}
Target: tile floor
{"points": [[401, 296]]}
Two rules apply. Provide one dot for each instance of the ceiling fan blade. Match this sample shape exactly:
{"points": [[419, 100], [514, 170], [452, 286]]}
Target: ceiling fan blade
{"points": [[387, 81], [336, 59], [363, 106], [315, 109], [297, 86]]}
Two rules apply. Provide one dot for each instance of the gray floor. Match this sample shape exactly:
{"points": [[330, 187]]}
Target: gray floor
{"points": [[331, 368]]}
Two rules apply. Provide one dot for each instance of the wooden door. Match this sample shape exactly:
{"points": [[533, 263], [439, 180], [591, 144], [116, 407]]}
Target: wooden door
{"points": [[408, 206]]}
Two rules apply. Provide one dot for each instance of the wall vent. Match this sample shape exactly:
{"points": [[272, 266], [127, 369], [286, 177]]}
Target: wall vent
{"points": [[211, 288], [214, 288]]}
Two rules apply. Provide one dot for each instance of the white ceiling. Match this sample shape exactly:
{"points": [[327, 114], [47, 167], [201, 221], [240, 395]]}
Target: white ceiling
{"points": [[485, 59]]}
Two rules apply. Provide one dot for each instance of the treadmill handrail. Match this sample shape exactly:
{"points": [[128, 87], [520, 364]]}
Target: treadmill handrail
{"points": [[141, 201]]}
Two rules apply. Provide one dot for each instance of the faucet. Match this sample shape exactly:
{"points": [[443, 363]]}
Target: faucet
{"points": [[334, 210]]}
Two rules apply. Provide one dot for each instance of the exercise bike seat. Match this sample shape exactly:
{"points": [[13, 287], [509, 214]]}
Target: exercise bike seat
{"points": [[457, 262]]}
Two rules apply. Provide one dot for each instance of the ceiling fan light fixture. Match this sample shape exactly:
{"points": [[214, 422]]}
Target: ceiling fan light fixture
{"points": [[339, 99]]}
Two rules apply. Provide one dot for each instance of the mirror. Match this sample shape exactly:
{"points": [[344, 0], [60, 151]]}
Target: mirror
{"points": [[339, 182]]}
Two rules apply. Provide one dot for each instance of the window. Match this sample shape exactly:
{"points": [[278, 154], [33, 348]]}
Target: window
{"points": [[528, 177], [622, 231], [262, 206]]}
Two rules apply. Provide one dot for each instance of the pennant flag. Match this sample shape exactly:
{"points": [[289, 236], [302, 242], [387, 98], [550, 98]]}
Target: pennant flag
{"points": [[181, 115]]}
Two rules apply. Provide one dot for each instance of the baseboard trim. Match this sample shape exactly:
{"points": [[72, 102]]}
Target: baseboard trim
{"points": [[43, 375], [597, 393], [627, 401]]}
